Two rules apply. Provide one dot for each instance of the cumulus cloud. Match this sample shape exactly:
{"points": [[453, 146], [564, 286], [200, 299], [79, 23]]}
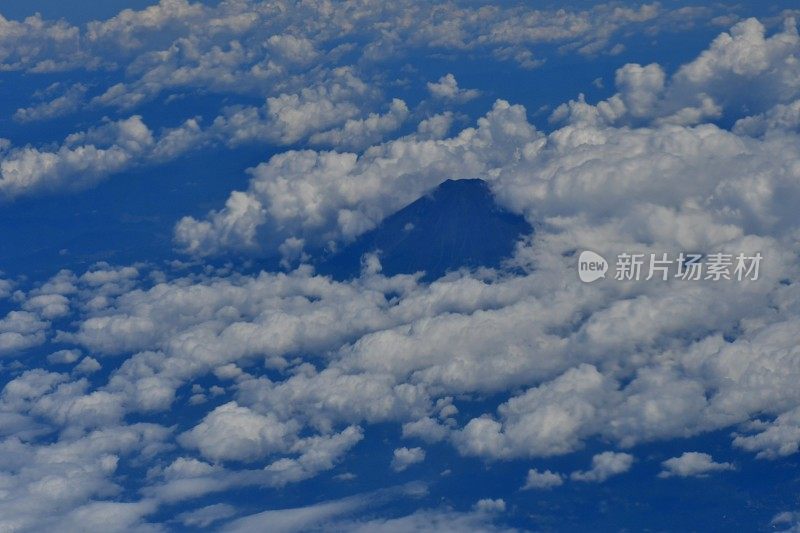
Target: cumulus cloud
{"points": [[38, 45], [20, 330], [742, 72], [604, 466], [405, 457], [64, 357], [231, 432], [290, 117], [251, 47], [68, 484], [447, 88], [323, 196], [68, 102], [779, 438], [87, 157], [83, 158], [692, 464], [88, 365], [360, 133], [542, 480], [488, 505], [247, 48]]}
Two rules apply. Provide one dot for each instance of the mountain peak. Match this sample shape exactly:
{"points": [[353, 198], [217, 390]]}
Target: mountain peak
{"points": [[456, 224]]}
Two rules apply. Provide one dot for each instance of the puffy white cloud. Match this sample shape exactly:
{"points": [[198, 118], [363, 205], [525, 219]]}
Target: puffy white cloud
{"points": [[604, 466], [447, 88], [742, 72], [404, 457], [488, 505], [427, 429], [128, 27], [87, 157], [256, 47], [547, 420], [64, 357], [779, 438], [231, 432], [20, 330], [48, 306], [781, 117], [542, 480], [360, 133], [179, 140], [70, 482], [39, 45], [83, 159], [290, 117], [88, 365], [692, 464], [66, 103], [323, 196], [265, 51]]}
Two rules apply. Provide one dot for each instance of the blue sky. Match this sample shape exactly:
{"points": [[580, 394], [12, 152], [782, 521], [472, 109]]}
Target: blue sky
{"points": [[180, 351]]}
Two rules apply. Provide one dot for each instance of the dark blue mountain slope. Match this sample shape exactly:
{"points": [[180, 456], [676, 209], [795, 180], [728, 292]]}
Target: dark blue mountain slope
{"points": [[455, 225]]}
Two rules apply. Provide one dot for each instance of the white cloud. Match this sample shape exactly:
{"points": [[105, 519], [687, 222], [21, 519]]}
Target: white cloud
{"points": [[69, 484], [231, 432], [779, 438], [447, 88], [692, 464], [291, 117], [604, 466], [64, 357], [205, 516], [488, 505], [742, 72], [359, 133], [548, 420], [255, 48], [323, 196], [428, 521], [48, 306], [82, 159], [20, 330], [364, 512], [38, 45], [789, 520], [542, 480], [404, 457], [298, 519], [781, 117], [245, 48], [426, 429], [66, 103], [88, 365]]}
